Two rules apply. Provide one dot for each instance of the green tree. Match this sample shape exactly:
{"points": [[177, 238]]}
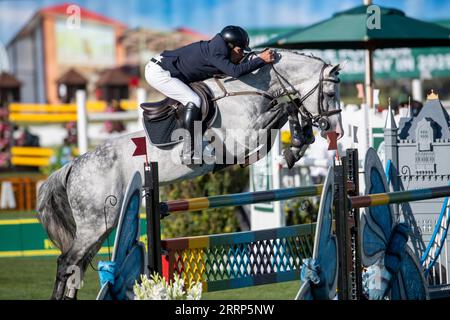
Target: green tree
{"points": [[205, 222], [300, 211]]}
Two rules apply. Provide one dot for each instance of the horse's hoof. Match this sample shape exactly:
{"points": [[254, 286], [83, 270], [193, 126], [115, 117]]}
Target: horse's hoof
{"points": [[289, 157]]}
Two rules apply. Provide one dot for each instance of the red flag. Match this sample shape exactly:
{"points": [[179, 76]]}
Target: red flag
{"points": [[141, 146], [332, 140]]}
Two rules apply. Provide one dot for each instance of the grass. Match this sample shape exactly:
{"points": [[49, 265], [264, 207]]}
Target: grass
{"points": [[276, 291], [32, 279]]}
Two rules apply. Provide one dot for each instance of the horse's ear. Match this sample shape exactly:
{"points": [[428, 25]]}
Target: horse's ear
{"points": [[336, 69], [339, 67]]}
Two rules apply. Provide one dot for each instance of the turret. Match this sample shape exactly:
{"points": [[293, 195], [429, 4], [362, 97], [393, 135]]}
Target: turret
{"points": [[391, 143]]}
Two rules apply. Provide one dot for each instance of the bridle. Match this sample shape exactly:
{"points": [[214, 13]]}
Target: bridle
{"points": [[293, 97], [321, 118]]}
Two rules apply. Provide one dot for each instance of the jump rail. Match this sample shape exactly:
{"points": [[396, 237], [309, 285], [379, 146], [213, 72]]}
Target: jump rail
{"points": [[242, 259], [238, 199], [379, 199]]}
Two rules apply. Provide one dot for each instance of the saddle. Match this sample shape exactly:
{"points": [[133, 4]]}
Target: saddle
{"points": [[161, 118]]}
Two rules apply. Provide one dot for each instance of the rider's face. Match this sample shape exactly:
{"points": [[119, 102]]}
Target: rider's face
{"points": [[237, 54]]}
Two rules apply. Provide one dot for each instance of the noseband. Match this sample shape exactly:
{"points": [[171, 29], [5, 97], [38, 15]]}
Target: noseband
{"points": [[319, 120]]}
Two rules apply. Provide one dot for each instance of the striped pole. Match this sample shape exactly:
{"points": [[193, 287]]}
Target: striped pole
{"points": [[378, 199], [239, 199]]}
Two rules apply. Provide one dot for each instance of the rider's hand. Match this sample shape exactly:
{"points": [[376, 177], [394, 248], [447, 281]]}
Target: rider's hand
{"points": [[267, 55]]}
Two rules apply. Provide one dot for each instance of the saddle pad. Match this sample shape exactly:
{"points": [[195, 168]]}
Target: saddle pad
{"points": [[159, 132]]}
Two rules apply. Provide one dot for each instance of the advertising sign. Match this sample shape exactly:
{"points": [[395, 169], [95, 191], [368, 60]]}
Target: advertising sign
{"points": [[89, 45]]}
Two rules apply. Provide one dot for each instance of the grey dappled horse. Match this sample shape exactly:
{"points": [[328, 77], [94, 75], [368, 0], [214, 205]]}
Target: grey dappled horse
{"points": [[79, 204]]}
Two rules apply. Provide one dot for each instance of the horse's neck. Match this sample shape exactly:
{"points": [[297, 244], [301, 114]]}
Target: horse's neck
{"points": [[297, 69]]}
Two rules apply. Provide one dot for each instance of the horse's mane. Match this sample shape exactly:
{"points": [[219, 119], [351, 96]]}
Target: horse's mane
{"points": [[311, 55], [307, 55]]}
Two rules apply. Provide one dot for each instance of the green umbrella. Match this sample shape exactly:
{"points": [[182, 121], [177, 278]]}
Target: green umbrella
{"points": [[348, 30]]}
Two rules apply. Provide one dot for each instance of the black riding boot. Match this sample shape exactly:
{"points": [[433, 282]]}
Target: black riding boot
{"points": [[192, 113]]}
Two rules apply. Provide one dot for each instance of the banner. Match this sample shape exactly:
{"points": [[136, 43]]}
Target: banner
{"points": [[417, 63], [92, 44]]}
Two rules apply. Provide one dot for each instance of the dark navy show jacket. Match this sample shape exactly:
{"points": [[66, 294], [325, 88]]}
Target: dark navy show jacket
{"points": [[204, 59]]}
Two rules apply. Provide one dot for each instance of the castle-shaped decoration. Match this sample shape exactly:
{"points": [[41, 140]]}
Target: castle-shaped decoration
{"points": [[419, 150], [424, 142]]}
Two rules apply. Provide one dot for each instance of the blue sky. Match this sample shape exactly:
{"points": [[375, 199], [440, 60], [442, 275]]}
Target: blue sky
{"points": [[209, 16]]}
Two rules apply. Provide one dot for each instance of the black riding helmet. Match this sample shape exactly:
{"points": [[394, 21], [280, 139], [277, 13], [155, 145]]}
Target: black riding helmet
{"points": [[236, 36]]}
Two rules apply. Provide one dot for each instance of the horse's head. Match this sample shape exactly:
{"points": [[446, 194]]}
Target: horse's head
{"points": [[314, 87], [329, 100]]}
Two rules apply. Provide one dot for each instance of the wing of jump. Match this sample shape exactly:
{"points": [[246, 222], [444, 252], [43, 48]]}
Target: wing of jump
{"points": [[410, 283], [376, 222], [129, 253], [325, 249], [305, 292], [378, 225]]}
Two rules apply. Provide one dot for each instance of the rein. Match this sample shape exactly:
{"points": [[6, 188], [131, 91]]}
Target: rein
{"points": [[293, 97], [239, 93]]}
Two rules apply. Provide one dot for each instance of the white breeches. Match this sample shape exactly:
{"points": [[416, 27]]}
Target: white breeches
{"points": [[174, 88]]}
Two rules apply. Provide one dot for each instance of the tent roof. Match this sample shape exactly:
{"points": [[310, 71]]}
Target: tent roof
{"points": [[113, 77], [72, 77], [8, 81]]}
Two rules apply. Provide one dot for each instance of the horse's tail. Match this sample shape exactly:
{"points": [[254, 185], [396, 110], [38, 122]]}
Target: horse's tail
{"points": [[54, 209]]}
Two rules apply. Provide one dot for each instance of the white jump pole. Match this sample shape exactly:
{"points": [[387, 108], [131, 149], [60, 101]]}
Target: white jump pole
{"points": [[417, 92], [278, 213], [265, 175], [141, 96], [82, 122]]}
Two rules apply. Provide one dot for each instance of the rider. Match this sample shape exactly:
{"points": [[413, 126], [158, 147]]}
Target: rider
{"points": [[170, 72]]}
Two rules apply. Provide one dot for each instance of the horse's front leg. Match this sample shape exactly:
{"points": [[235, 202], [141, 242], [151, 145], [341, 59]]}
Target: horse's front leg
{"points": [[301, 137]]}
